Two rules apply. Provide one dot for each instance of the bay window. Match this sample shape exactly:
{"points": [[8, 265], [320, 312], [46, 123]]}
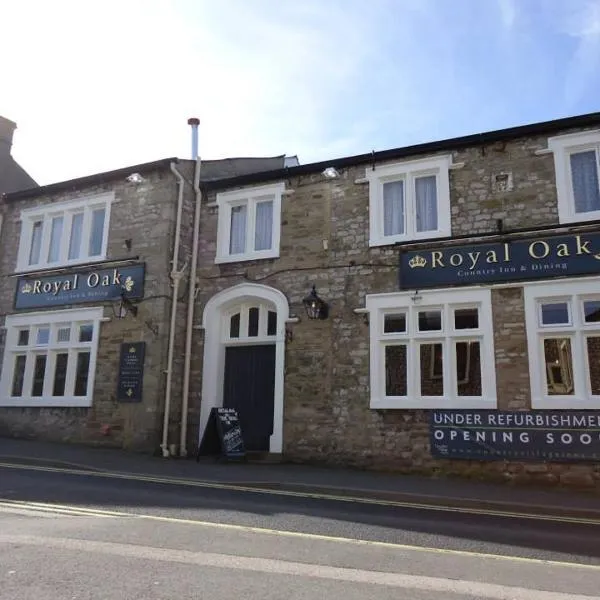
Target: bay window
{"points": [[434, 350]]}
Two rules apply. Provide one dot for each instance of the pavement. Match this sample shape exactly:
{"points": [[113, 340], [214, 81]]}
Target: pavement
{"points": [[299, 480]]}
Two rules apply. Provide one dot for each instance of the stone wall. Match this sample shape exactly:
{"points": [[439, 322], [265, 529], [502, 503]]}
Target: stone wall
{"points": [[143, 213], [324, 241]]}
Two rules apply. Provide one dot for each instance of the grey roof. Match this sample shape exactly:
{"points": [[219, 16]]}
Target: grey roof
{"points": [[235, 167]]}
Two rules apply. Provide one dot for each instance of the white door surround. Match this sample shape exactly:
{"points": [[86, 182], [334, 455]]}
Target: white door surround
{"points": [[213, 370]]}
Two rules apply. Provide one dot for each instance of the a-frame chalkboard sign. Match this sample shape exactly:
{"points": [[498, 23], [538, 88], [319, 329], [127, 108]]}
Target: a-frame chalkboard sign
{"points": [[223, 435]]}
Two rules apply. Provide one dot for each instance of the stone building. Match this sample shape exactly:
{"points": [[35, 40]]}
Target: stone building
{"points": [[12, 176], [431, 309]]}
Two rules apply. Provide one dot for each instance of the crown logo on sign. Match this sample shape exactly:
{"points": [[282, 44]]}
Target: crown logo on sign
{"points": [[26, 289], [417, 262], [129, 283]]}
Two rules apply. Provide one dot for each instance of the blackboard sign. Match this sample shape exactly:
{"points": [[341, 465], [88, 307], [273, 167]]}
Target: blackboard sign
{"points": [[223, 434], [532, 435], [131, 372], [516, 260]]}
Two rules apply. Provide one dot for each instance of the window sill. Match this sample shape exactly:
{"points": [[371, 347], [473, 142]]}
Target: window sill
{"points": [[572, 217], [399, 239], [433, 403], [246, 257], [565, 403], [69, 402], [92, 260]]}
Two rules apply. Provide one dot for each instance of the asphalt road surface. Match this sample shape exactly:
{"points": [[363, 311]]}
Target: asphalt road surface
{"points": [[78, 537]]}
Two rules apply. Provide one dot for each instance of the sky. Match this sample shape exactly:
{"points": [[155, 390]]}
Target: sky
{"points": [[96, 86]]}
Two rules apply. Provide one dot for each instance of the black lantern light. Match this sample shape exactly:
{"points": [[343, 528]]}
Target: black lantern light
{"points": [[125, 306], [316, 308]]}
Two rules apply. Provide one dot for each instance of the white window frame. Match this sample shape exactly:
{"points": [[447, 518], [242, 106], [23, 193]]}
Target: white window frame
{"points": [[549, 292], [408, 171], [46, 213], [562, 147], [14, 323], [447, 300], [249, 197]]}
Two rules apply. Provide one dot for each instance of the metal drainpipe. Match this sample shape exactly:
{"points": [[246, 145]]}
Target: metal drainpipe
{"points": [[176, 277]]}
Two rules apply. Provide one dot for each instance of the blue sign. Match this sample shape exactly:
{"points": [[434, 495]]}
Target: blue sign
{"points": [[79, 287], [561, 436], [131, 372], [552, 256]]}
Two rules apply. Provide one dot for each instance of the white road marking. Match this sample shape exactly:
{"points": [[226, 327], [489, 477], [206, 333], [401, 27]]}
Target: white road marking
{"points": [[274, 566]]}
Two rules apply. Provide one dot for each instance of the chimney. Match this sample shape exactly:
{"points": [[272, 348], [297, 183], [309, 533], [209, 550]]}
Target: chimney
{"points": [[194, 122], [7, 128]]}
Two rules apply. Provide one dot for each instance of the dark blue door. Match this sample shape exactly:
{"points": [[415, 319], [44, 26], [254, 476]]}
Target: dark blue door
{"points": [[250, 389]]}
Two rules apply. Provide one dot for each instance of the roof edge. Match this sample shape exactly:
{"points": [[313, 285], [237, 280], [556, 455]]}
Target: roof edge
{"points": [[93, 179], [475, 139]]}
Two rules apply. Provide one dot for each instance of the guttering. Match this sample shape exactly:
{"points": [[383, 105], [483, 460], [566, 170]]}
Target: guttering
{"points": [[190, 314], [176, 277]]}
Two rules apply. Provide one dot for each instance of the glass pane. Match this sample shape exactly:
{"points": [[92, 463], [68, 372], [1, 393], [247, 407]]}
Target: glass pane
{"points": [[36, 243], [593, 352], [591, 310], [43, 336], [394, 323], [55, 239], [234, 326], [584, 177], [253, 322], [468, 368], [393, 208], [559, 366], [60, 374], [18, 375], [86, 332], [63, 334], [431, 361], [237, 241], [263, 233], [395, 371], [23, 337], [466, 318], [97, 232], [82, 373], [39, 371], [76, 233], [426, 203], [430, 320], [555, 314], [272, 323]]}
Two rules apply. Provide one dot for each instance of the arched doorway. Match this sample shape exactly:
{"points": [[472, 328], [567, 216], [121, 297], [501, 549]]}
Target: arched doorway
{"points": [[244, 349]]}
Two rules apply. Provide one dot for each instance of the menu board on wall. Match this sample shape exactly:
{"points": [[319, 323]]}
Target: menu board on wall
{"points": [[131, 372]]}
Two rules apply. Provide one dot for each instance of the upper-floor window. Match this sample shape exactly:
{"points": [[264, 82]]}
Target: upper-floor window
{"points": [[50, 358], [435, 350], [563, 339], [249, 223], [64, 233], [577, 164], [409, 201]]}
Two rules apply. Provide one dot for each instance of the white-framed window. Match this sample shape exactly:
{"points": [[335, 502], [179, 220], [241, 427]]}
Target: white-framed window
{"points": [[563, 337], [250, 323], [434, 350], [577, 165], [50, 358], [65, 233], [409, 200], [249, 223]]}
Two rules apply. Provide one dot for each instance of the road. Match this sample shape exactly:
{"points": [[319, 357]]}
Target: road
{"points": [[67, 536]]}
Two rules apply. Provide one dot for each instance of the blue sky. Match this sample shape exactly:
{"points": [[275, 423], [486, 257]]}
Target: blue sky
{"points": [[98, 86]]}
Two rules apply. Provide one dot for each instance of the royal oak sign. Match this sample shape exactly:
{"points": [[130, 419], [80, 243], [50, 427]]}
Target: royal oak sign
{"points": [[514, 260], [80, 287]]}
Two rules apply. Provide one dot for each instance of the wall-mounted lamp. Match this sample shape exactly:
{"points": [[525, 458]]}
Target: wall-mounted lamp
{"points": [[416, 297], [127, 244], [316, 308], [124, 307]]}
